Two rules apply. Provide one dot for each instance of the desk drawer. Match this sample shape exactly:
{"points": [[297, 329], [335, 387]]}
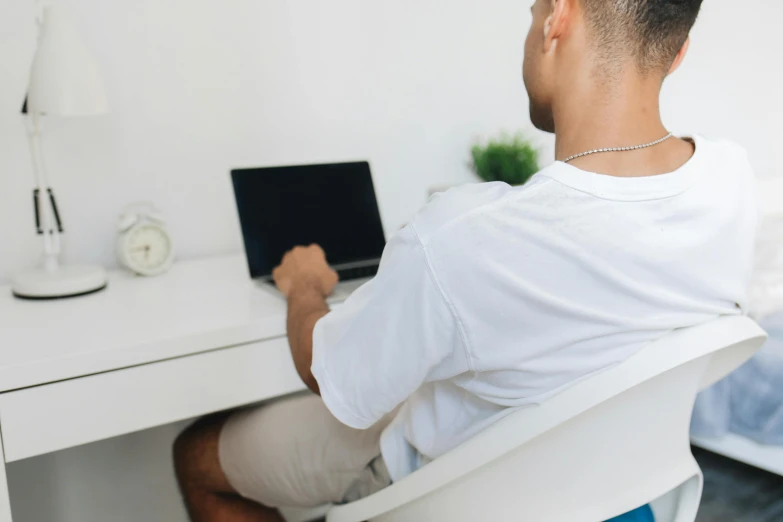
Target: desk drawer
{"points": [[61, 415]]}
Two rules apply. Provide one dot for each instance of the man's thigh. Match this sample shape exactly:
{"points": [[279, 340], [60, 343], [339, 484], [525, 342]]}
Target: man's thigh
{"points": [[294, 453]]}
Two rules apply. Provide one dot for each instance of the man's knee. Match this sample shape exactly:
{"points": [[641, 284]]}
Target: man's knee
{"points": [[183, 448], [196, 458]]}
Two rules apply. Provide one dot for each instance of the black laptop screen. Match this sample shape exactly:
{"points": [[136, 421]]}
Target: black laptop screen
{"points": [[331, 205]]}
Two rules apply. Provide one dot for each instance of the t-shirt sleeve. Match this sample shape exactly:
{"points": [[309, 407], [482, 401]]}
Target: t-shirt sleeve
{"points": [[391, 336]]}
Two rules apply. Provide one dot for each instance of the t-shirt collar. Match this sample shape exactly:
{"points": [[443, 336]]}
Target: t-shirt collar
{"points": [[645, 188]]}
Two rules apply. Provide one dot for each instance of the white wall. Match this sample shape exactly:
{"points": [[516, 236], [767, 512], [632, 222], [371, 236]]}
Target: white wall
{"points": [[198, 87]]}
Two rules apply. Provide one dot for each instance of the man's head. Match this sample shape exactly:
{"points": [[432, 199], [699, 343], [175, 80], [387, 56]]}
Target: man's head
{"points": [[607, 39]]}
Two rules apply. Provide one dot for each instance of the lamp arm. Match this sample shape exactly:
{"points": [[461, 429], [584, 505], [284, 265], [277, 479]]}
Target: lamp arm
{"points": [[47, 218]]}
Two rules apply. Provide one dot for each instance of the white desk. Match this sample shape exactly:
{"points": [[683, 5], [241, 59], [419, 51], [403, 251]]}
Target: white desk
{"points": [[142, 353]]}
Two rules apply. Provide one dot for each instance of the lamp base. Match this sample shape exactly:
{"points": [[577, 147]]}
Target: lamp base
{"points": [[66, 281]]}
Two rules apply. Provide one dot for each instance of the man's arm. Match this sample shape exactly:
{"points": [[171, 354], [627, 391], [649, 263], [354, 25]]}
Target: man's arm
{"points": [[375, 351], [305, 307], [305, 279]]}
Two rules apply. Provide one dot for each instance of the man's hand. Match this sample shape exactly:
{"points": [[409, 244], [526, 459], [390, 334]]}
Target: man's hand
{"points": [[305, 268]]}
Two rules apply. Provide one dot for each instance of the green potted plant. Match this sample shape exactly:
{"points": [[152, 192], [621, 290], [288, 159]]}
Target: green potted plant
{"points": [[511, 159]]}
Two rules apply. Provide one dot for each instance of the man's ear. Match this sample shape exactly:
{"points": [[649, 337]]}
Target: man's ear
{"points": [[557, 21], [680, 56]]}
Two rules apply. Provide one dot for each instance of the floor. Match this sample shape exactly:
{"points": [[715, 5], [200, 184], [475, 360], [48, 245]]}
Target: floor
{"points": [[734, 492]]}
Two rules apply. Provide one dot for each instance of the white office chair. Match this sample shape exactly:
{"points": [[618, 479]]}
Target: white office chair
{"points": [[612, 443]]}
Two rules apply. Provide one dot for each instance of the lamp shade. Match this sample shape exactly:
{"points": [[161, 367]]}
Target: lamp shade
{"points": [[64, 79]]}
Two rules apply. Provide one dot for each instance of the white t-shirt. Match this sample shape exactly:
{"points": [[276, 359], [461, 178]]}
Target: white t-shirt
{"points": [[497, 297]]}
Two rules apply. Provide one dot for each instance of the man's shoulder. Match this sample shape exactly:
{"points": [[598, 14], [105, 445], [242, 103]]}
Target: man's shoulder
{"points": [[722, 151], [449, 209], [726, 163]]}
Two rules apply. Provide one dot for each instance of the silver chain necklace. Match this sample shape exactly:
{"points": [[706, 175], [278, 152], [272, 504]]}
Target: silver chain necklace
{"points": [[619, 149]]}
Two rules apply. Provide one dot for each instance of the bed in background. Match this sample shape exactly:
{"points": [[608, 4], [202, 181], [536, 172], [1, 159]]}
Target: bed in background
{"points": [[742, 416]]}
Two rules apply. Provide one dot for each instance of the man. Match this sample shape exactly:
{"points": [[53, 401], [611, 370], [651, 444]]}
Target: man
{"points": [[498, 297]]}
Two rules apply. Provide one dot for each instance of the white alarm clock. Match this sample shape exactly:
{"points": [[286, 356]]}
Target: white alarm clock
{"points": [[144, 244]]}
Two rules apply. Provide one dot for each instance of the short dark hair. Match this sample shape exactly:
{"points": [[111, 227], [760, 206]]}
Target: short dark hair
{"points": [[653, 30]]}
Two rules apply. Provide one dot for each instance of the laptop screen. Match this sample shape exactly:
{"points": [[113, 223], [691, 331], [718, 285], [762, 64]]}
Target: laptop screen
{"points": [[331, 205]]}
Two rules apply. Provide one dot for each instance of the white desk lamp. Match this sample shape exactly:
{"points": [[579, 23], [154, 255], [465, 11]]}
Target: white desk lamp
{"points": [[64, 81]]}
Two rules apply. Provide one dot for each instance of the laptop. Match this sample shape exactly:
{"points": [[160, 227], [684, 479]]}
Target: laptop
{"points": [[331, 205]]}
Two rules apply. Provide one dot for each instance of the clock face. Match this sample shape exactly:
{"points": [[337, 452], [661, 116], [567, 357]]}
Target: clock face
{"points": [[148, 249]]}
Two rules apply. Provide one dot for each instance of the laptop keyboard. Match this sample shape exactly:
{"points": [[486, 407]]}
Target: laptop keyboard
{"points": [[347, 274]]}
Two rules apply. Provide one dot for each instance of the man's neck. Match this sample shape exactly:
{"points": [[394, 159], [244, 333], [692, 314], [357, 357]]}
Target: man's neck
{"points": [[590, 115]]}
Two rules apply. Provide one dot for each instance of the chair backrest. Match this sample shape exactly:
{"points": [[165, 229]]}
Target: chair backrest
{"points": [[608, 444]]}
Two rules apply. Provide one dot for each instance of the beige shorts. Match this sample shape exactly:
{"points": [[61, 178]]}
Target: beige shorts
{"points": [[294, 453]]}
